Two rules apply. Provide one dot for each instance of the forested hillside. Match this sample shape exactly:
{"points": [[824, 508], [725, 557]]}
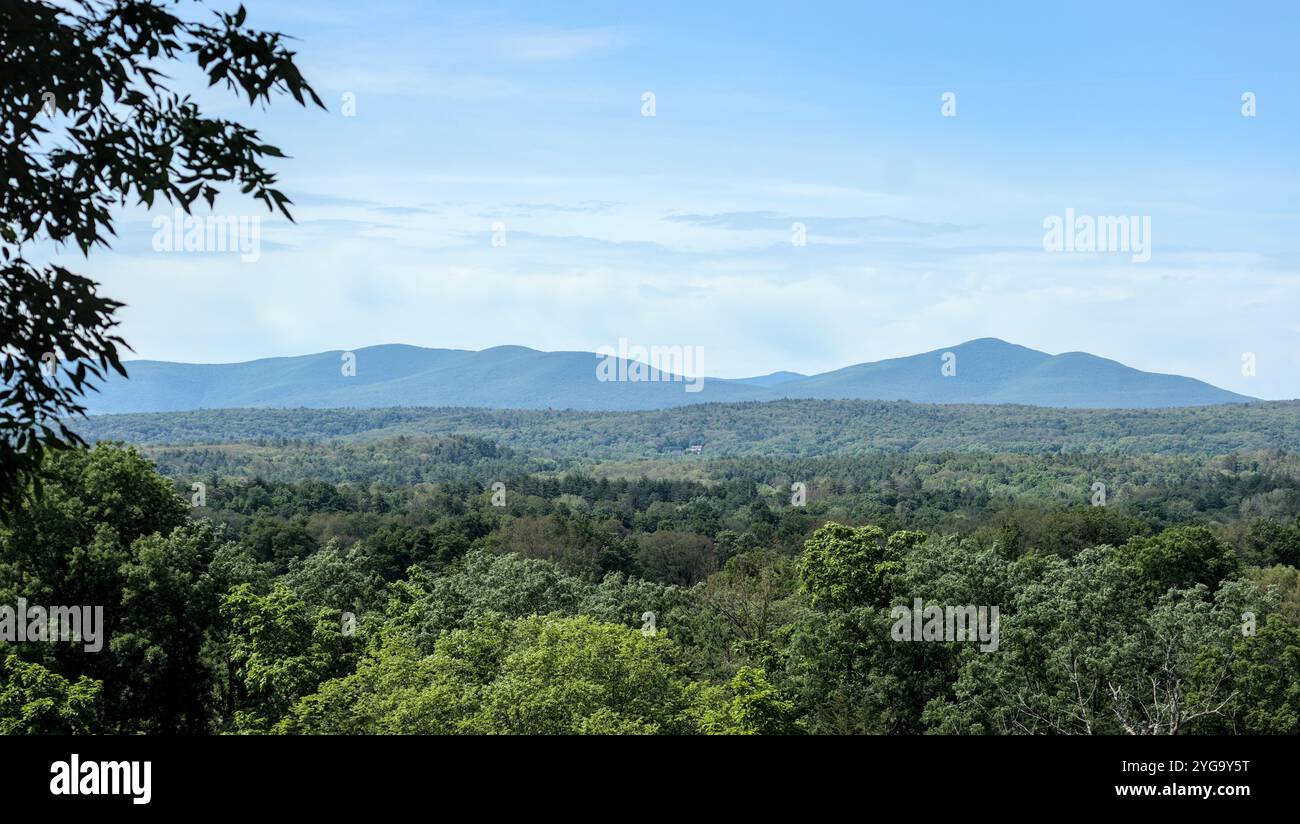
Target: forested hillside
{"points": [[796, 428], [451, 585]]}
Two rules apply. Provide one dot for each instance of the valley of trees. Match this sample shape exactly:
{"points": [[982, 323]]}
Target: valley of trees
{"points": [[797, 428], [386, 586]]}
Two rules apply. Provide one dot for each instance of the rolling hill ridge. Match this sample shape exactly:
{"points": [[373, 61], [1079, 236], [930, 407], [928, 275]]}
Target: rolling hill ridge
{"points": [[982, 371]]}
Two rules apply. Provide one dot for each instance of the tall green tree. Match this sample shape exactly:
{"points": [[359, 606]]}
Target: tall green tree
{"points": [[540, 675], [280, 651], [35, 701], [845, 567], [90, 121], [1179, 558]]}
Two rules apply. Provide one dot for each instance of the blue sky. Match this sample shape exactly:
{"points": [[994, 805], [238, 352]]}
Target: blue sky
{"points": [[922, 230]]}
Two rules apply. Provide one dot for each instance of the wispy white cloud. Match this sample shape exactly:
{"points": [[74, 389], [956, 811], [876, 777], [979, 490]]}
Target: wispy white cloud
{"points": [[557, 44], [862, 227]]}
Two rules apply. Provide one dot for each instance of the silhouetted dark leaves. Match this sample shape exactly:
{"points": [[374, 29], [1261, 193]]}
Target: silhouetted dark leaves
{"points": [[116, 131]]}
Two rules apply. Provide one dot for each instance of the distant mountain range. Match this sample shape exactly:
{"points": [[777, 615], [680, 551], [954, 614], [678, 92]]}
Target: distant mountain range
{"points": [[987, 370]]}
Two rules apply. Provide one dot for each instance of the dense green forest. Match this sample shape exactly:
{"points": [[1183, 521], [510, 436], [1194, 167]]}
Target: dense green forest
{"points": [[797, 428], [791, 567], [454, 584]]}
